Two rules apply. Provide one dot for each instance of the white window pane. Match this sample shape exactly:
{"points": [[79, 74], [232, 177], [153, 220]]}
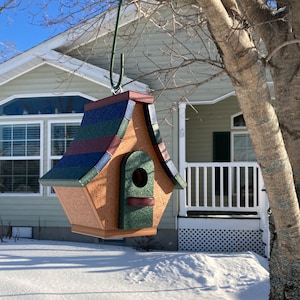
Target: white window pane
{"points": [[243, 148]]}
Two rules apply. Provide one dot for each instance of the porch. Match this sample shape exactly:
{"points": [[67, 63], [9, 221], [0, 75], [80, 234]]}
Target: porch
{"points": [[224, 208]]}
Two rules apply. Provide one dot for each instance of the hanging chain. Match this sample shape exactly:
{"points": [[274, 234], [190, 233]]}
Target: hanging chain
{"points": [[116, 88]]}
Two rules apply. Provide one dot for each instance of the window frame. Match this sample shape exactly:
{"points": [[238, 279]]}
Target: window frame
{"points": [[233, 134], [35, 157]]}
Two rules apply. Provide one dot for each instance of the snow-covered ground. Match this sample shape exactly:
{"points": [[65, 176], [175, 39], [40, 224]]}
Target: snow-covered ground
{"points": [[31, 269]]}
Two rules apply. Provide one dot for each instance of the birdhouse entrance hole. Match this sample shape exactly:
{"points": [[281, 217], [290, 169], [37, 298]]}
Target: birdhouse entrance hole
{"points": [[140, 177]]}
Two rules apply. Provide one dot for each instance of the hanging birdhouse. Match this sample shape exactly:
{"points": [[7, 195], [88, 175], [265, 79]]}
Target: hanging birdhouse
{"points": [[116, 178]]}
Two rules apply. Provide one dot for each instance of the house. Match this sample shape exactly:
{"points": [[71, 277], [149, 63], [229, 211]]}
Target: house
{"points": [[42, 98]]}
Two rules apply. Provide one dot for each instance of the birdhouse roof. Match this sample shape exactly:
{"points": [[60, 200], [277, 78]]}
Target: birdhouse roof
{"points": [[102, 129]]}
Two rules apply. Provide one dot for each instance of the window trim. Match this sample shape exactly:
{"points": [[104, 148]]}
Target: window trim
{"points": [[14, 96], [40, 157]]}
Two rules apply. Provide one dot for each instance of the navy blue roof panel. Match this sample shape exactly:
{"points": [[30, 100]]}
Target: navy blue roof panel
{"points": [[96, 136]]}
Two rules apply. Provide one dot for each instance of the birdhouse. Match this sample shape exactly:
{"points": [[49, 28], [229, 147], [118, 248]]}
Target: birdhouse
{"points": [[116, 177]]}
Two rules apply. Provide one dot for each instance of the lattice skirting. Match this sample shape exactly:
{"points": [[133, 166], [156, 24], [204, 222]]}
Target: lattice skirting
{"points": [[220, 240]]}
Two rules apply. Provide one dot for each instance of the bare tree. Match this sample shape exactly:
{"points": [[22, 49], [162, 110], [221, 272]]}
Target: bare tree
{"points": [[273, 129], [7, 48]]}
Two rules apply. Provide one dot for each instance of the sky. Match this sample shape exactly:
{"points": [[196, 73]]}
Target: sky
{"points": [[41, 270], [19, 26], [18, 29], [25, 26]]}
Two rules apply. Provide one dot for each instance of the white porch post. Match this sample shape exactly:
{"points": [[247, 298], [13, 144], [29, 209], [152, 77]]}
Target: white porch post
{"points": [[263, 207], [182, 157]]}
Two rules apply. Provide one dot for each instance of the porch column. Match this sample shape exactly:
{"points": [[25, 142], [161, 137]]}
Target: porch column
{"points": [[182, 157]]}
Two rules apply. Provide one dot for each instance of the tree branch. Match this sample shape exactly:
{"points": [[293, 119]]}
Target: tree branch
{"points": [[264, 22], [297, 41]]}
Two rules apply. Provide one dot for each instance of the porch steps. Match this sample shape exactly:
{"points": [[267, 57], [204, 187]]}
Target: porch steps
{"points": [[221, 233]]}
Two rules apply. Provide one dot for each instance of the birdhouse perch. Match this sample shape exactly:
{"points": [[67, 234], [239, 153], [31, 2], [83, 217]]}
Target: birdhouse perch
{"points": [[116, 178]]}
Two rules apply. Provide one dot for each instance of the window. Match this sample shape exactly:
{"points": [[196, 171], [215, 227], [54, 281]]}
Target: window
{"points": [[238, 121], [242, 147], [43, 105], [34, 134], [20, 157]]}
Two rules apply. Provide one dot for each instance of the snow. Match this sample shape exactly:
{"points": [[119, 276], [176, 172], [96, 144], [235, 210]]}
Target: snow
{"points": [[32, 269]]}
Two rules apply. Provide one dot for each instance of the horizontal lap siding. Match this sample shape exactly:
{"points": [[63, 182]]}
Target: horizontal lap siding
{"points": [[32, 211], [201, 122], [47, 79], [37, 210]]}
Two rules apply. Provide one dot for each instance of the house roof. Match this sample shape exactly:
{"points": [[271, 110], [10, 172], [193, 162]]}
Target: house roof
{"points": [[55, 52], [52, 52], [102, 129]]}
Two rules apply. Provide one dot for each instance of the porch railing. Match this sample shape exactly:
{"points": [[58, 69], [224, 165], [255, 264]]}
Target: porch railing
{"points": [[233, 187]]}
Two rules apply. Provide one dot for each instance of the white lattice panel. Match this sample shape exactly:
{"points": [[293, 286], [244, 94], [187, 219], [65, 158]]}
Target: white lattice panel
{"points": [[220, 240]]}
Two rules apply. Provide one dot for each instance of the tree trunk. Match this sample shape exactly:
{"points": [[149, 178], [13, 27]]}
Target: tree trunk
{"points": [[287, 105], [247, 73]]}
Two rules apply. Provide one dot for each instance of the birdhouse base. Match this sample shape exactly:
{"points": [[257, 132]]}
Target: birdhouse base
{"points": [[107, 234], [86, 219]]}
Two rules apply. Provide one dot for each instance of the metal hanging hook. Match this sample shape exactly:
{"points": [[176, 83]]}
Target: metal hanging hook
{"points": [[116, 88]]}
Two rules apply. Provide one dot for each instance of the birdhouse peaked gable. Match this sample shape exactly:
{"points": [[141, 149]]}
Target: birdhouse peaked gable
{"points": [[102, 129]]}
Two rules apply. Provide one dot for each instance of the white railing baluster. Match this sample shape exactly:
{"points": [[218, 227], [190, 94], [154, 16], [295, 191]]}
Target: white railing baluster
{"points": [[205, 186], [189, 187], [255, 187], [229, 187], [197, 186], [238, 187], [221, 187], [246, 186]]}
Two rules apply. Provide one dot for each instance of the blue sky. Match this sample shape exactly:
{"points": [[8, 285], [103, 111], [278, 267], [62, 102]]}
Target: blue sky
{"points": [[18, 26], [22, 25], [18, 29]]}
